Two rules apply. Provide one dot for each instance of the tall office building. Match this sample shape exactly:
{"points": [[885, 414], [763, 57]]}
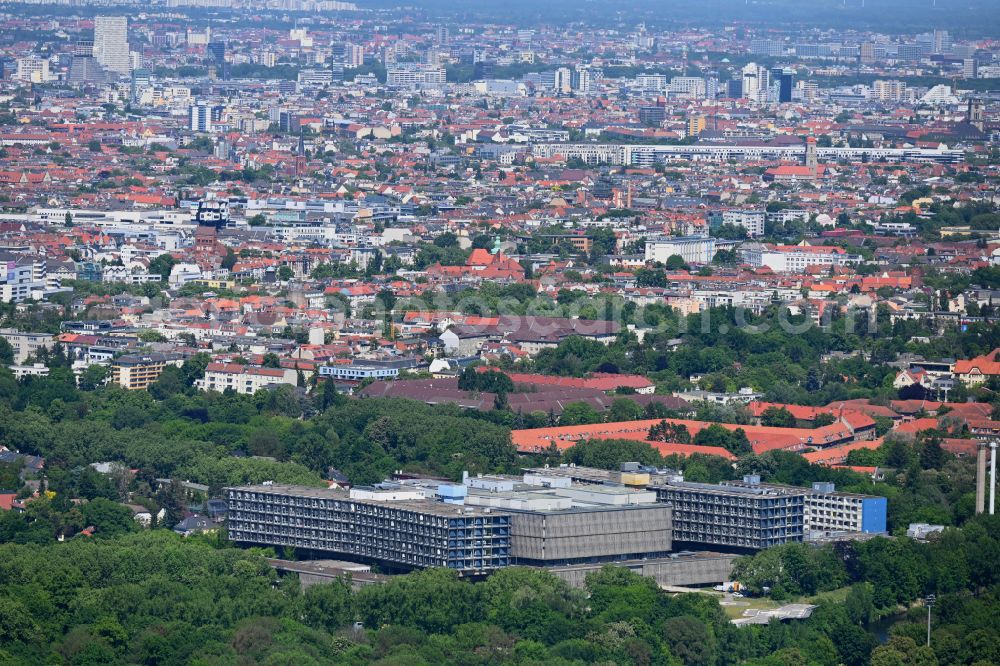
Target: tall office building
{"points": [[653, 115], [563, 81], [867, 52], [970, 68], [200, 117], [442, 35], [83, 67], [141, 79], [755, 82], [217, 57], [711, 87], [781, 81], [111, 43], [942, 42], [484, 69]]}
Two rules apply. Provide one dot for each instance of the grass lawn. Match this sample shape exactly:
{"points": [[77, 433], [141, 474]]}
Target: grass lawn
{"points": [[837, 596]]}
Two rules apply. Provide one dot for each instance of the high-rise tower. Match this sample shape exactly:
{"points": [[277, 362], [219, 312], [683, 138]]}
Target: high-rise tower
{"points": [[111, 43]]}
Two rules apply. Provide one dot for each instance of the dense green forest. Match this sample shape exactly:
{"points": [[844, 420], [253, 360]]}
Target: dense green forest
{"points": [[153, 598]]}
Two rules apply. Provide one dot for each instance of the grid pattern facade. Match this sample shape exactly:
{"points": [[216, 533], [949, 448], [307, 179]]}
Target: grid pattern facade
{"points": [[543, 538], [720, 517], [409, 535], [834, 512]]}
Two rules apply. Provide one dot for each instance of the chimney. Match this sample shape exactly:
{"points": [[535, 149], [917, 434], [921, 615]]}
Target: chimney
{"points": [[993, 477], [981, 479]]}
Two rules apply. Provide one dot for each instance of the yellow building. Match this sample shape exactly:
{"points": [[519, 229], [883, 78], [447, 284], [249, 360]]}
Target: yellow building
{"points": [[695, 125]]}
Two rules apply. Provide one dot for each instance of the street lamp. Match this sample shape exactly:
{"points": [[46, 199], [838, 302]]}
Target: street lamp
{"points": [[929, 602]]}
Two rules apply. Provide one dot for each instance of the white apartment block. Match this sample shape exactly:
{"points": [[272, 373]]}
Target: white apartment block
{"points": [[687, 86], [651, 82], [243, 378], [692, 249], [412, 76], [795, 259], [888, 90], [111, 43], [25, 344], [33, 70], [751, 220]]}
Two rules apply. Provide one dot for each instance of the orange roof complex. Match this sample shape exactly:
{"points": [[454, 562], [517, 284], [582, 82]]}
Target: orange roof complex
{"points": [[981, 365], [762, 438]]}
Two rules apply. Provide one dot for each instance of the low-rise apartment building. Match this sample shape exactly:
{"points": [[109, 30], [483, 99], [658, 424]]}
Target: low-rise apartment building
{"points": [[26, 344], [797, 258], [244, 378], [750, 220], [138, 371]]}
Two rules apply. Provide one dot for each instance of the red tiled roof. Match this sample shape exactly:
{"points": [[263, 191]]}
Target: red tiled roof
{"points": [[838, 454], [983, 364], [762, 438]]}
